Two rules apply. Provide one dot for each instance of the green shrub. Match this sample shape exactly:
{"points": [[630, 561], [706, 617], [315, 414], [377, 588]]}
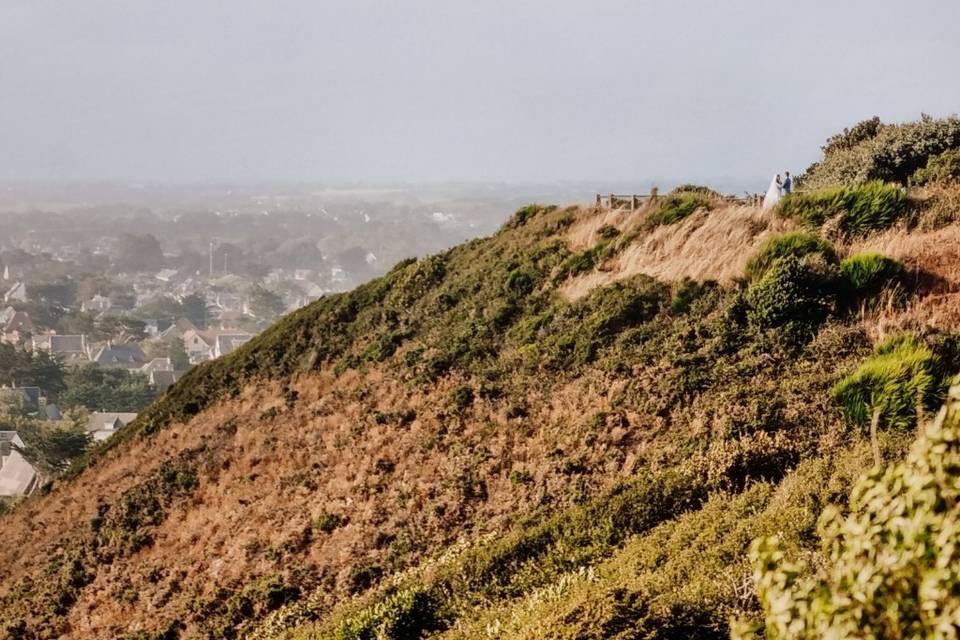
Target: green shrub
{"points": [[795, 295], [675, 207], [687, 292], [875, 151], [694, 188], [408, 613], [866, 275], [461, 397], [796, 243], [527, 213], [891, 568], [941, 168], [900, 379], [327, 522], [608, 232], [861, 209]]}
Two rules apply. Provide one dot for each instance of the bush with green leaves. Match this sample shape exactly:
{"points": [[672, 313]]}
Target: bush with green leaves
{"points": [[676, 206], [893, 563], [862, 208], [794, 243], [795, 295], [940, 168], [886, 152], [901, 380], [867, 275]]}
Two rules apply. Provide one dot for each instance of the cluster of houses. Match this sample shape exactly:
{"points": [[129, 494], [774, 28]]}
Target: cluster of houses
{"points": [[18, 477]]}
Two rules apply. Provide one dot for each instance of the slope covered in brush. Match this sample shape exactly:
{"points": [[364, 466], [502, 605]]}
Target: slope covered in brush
{"points": [[551, 432]]}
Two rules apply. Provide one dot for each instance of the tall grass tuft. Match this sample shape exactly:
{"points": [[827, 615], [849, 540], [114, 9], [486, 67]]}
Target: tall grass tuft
{"points": [[902, 378], [863, 208], [866, 275]]}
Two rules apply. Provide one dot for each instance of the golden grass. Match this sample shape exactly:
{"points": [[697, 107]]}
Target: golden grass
{"points": [[712, 245]]}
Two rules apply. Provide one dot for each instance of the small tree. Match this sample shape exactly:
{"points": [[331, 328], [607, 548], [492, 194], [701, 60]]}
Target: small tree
{"points": [[893, 567]]}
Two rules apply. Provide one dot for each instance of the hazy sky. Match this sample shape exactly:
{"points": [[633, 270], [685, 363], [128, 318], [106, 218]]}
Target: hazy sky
{"points": [[414, 90]]}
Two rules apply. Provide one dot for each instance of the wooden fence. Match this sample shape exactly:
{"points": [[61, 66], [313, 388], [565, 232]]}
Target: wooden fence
{"points": [[636, 200]]}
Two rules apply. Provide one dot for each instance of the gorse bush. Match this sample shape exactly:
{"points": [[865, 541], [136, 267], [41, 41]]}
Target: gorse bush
{"points": [[796, 243], [861, 209], [892, 567], [795, 295], [866, 275], [885, 152], [941, 168], [902, 379]]}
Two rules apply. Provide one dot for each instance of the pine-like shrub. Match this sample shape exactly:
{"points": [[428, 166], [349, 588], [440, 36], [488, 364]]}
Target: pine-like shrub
{"points": [[902, 378], [796, 243]]}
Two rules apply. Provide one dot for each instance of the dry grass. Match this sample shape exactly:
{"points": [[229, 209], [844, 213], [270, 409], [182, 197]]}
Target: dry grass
{"points": [[712, 245], [263, 485]]}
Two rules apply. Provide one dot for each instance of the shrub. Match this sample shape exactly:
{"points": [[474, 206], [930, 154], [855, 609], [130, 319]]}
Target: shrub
{"points": [[892, 569], [527, 213], [687, 292], [866, 275], [461, 397], [694, 188], [675, 207], [608, 232], [875, 151], [796, 243], [327, 522], [941, 168], [407, 613], [900, 379], [795, 294], [862, 208]]}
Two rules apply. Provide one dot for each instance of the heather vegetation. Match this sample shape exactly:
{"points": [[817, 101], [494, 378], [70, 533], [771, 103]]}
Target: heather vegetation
{"points": [[525, 464]]}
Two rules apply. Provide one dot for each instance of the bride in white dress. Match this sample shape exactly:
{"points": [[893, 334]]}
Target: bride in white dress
{"points": [[773, 193]]}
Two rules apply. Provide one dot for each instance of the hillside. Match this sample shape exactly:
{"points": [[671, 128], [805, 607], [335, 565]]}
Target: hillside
{"points": [[571, 429]]}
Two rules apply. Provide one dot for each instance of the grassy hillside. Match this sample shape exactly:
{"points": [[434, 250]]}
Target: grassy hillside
{"points": [[559, 431]]}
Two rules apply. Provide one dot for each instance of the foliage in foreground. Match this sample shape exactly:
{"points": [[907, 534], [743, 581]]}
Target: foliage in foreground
{"points": [[893, 567]]}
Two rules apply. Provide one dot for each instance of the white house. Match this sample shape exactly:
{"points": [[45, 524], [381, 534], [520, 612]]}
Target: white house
{"points": [[17, 476]]}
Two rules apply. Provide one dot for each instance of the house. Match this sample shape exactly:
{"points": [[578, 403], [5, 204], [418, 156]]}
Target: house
{"points": [[119, 356], [178, 329], [227, 342], [163, 380], [16, 293], [157, 364], [101, 425], [198, 344], [69, 348], [96, 304], [17, 476], [17, 328], [166, 275]]}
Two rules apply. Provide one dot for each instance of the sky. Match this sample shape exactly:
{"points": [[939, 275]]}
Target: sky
{"points": [[338, 91]]}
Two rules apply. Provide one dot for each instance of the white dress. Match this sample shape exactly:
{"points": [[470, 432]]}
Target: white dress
{"points": [[773, 195]]}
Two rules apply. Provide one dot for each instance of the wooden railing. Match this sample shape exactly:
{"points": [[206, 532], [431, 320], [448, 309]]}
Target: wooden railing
{"points": [[635, 200]]}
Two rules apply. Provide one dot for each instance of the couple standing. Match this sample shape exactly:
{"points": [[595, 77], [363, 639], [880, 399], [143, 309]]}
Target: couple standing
{"points": [[778, 189]]}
